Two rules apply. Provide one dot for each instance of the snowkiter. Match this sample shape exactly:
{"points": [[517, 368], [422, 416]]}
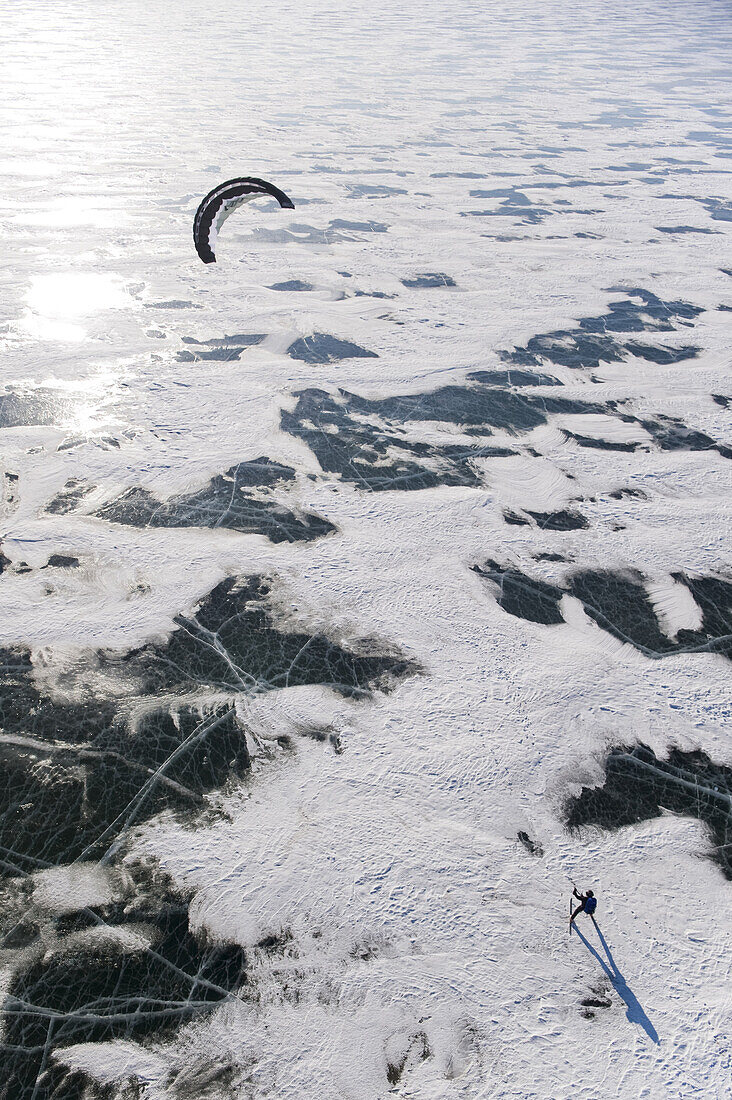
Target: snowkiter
{"points": [[588, 904]]}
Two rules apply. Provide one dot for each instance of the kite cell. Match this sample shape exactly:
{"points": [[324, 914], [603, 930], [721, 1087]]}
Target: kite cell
{"points": [[224, 200]]}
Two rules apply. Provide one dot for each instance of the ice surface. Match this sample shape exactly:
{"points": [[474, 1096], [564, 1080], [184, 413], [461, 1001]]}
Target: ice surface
{"points": [[621, 604], [240, 499], [638, 786], [321, 348], [365, 589], [99, 984]]}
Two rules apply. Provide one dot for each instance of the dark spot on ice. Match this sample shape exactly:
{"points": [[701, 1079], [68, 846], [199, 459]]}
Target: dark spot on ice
{"points": [[322, 736], [619, 603], [429, 280], [514, 377], [591, 342], [362, 439], [554, 185], [477, 406], [527, 215], [720, 140], [519, 595], [639, 786], [359, 227], [417, 1050], [62, 561], [174, 304], [393, 1072], [292, 284], [373, 190], [600, 444], [242, 499], [77, 775], [322, 348], [276, 943], [662, 355], [682, 229], [623, 118], [242, 338], [596, 1002], [515, 520], [371, 442], [517, 197], [721, 400], [631, 166], [223, 349], [516, 204], [671, 434], [531, 846], [337, 230], [718, 209], [68, 499], [563, 520], [619, 494]]}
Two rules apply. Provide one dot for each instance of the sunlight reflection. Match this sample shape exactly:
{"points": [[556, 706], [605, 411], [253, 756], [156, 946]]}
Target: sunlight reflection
{"points": [[72, 211], [83, 406], [54, 299]]}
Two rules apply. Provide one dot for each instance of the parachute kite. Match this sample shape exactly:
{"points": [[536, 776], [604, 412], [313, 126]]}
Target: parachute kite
{"points": [[224, 200]]}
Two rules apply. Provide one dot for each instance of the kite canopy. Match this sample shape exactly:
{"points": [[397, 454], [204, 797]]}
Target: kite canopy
{"points": [[224, 200]]}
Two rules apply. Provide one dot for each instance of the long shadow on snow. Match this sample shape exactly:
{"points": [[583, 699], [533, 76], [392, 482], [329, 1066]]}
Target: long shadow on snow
{"points": [[635, 1012]]}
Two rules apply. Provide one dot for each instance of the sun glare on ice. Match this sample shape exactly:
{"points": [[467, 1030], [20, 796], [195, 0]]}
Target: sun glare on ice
{"points": [[54, 299]]}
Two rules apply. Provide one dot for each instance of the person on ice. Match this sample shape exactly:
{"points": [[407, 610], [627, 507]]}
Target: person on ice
{"points": [[588, 904]]}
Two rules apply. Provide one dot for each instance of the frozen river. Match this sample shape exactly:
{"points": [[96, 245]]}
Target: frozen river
{"points": [[363, 591]]}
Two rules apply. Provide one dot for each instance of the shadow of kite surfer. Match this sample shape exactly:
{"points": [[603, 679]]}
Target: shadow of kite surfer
{"points": [[634, 1010]]}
